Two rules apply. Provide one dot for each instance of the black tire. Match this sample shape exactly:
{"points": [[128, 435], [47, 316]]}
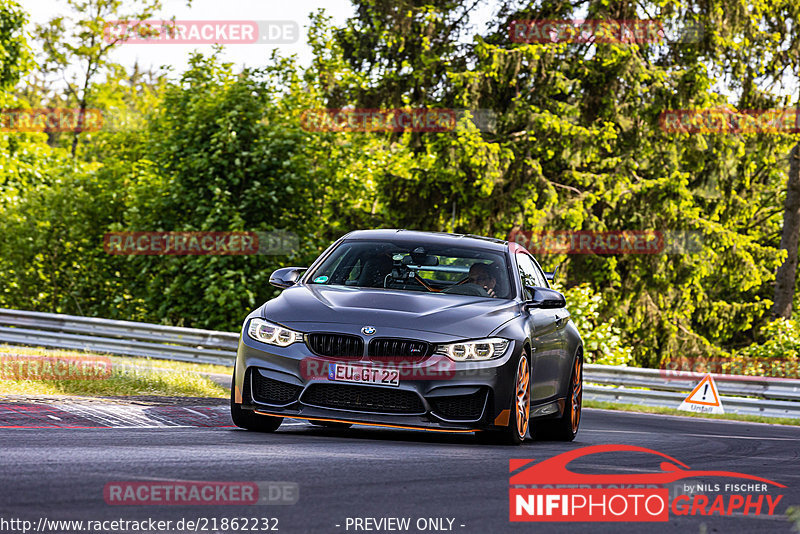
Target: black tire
{"points": [[331, 424], [565, 428], [517, 429], [248, 419]]}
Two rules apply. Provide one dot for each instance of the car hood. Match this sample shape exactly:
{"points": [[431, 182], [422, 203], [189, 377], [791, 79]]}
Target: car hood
{"points": [[457, 315]]}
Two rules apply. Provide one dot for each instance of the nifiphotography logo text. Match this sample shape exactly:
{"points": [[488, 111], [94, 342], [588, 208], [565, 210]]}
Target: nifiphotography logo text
{"points": [[549, 491]]}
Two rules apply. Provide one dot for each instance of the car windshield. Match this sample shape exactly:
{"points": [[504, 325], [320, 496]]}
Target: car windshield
{"points": [[415, 267]]}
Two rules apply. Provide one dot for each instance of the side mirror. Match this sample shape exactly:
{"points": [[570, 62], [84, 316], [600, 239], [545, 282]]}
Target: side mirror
{"points": [[286, 277], [545, 298]]}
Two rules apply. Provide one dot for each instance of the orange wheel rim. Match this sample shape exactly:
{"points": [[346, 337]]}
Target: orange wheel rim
{"points": [[523, 399], [577, 393]]}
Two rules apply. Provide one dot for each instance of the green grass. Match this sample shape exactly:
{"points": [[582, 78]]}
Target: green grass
{"points": [[147, 379], [673, 411], [175, 365]]}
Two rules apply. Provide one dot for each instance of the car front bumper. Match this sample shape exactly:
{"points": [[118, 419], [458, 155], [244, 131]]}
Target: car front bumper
{"points": [[433, 394]]}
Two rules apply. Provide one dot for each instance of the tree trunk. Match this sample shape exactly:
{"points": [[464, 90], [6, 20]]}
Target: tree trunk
{"points": [[785, 277], [78, 128]]}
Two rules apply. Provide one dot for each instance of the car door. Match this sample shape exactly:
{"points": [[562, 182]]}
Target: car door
{"points": [[547, 332], [562, 320]]}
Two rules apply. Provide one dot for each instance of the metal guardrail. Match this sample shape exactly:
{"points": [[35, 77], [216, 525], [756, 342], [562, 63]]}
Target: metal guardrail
{"points": [[750, 395], [668, 399], [124, 338], [667, 380], [773, 397]]}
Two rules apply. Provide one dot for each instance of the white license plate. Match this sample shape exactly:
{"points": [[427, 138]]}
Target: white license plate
{"points": [[360, 374]]}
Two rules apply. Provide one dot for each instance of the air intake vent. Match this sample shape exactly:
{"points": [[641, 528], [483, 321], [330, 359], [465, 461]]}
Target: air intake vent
{"points": [[270, 391], [459, 407], [363, 399], [336, 345], [405, 349]]}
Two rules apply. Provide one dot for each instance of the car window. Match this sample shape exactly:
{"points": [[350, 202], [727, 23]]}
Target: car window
{"points": [[324, 273], [540, 274], [529, 274], [354, 272], [439, 269]]}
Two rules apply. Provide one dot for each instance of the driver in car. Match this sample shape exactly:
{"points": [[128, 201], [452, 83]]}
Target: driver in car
{"points": [[480, 274]]}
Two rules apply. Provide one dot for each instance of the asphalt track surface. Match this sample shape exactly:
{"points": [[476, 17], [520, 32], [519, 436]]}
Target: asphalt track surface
{"points": [[59, 473]]}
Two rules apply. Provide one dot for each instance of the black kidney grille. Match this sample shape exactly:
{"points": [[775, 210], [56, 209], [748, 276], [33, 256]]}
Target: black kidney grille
{"points": [[336, 345], [270, 391], [399, 348], [363, 398], [459, 407]]}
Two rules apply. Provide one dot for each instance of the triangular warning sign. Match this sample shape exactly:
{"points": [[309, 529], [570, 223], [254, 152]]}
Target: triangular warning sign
{"points": [[704, 398]]}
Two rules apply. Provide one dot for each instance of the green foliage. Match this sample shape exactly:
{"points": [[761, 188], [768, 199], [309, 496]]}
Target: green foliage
{"points": [[775, 353], [793, 513], [52, 213], [576, 145], [778, 339], [76, 51], [602, 341], [15, 54], [217, 158]]}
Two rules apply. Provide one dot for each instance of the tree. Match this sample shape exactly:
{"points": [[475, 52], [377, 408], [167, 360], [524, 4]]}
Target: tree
{"points": [[76, 49], [578, 146], [220, 156], [786, 276], [15, 54]]}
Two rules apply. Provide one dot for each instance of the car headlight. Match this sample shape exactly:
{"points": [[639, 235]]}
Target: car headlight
{"points": [[272, 334], [481, 349]]}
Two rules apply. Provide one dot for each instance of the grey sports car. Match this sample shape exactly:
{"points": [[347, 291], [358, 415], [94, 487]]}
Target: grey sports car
{"points": [[433, 331]]}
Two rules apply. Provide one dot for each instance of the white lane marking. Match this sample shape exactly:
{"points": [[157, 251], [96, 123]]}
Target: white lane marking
{"points": [[126, 416], [118, 416], [797, 439], [160, 427], [778, 517], [163, 479], [688, 418], [92, 415]]}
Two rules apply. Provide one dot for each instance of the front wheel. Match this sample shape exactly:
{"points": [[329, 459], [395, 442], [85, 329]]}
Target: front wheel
{"points": [[248, 419], [565, 428], [517, 429]]}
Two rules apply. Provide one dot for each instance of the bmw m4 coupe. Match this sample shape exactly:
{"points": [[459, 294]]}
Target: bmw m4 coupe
{"points": [[433, 331]]}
